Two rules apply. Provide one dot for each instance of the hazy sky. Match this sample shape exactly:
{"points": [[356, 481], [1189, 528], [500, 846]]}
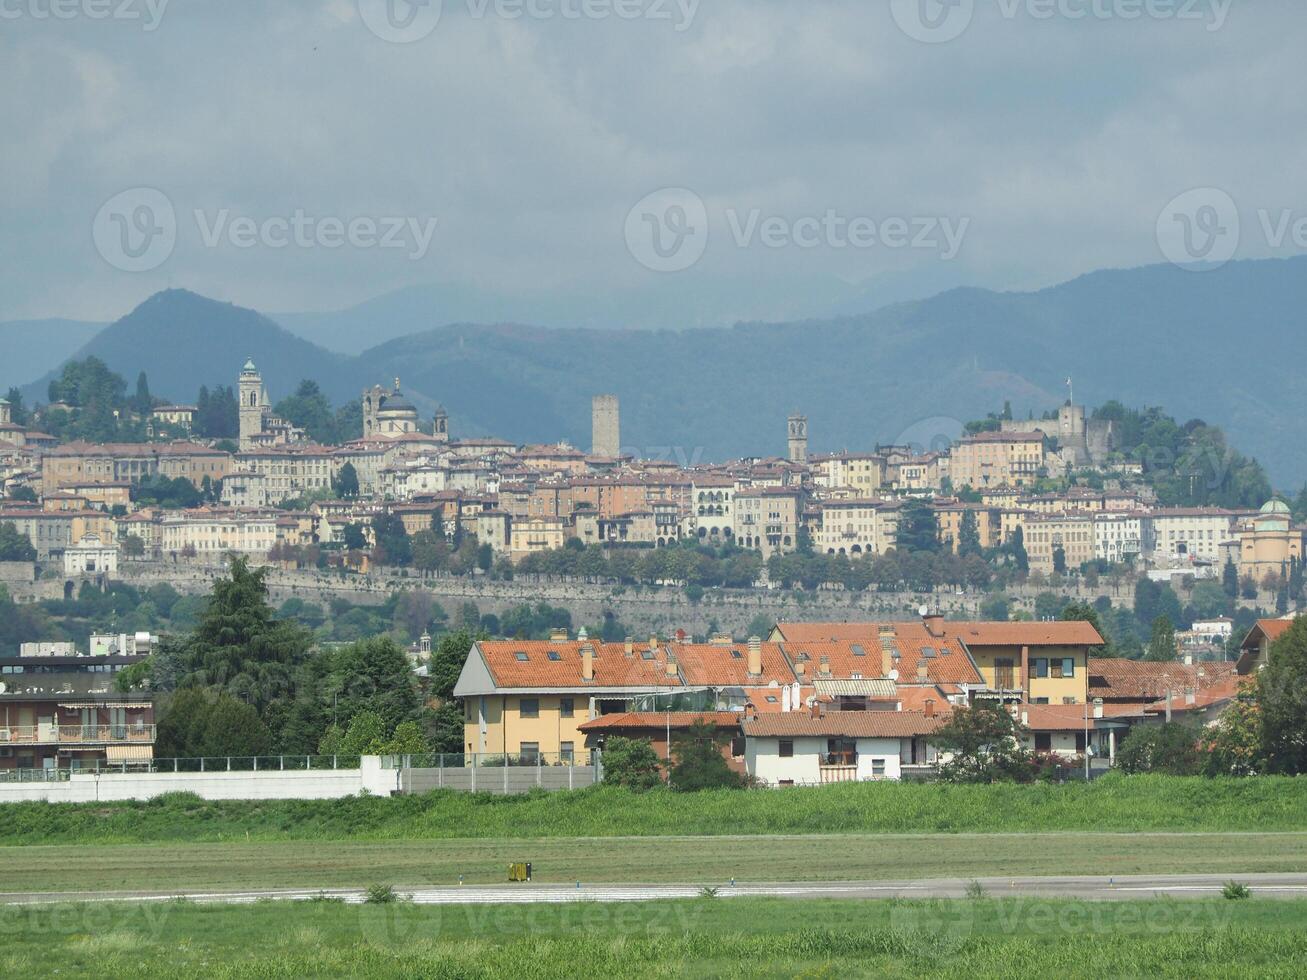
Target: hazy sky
{"points": [[505, 144]]}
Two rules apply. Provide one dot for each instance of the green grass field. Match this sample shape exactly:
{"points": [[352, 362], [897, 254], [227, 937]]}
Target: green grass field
{"points": [[1114, 803], [329, 864], [721, 937]]}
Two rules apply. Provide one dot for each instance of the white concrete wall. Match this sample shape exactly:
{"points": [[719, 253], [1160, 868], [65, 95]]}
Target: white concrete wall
{"points": [[316, 784], [879, 748]]}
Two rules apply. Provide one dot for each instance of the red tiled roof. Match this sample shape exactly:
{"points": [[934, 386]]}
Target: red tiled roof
{"points": [[1071, 717], [612, 668], [947, 662], [846, 724], [1142, 680], [634, 720], [1073, 633], [707, 664]]}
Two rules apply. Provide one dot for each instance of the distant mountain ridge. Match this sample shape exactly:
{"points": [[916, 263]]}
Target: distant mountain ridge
{"points": [[1224, 345]]}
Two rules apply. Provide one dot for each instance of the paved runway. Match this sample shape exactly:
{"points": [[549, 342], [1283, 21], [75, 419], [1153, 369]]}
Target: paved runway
{"points": [[1080, 887]]}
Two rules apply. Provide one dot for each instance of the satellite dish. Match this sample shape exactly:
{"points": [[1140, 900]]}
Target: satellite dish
{"points": [[924, 610], [3, 689]]}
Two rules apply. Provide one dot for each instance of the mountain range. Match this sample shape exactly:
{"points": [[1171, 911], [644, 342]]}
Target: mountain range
{"points": [[1224, 345]]}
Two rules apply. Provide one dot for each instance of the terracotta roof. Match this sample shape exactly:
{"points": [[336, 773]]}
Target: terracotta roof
{"points": [[1071, 717], [707, 664], [943, 656], [1272, 629], [817, 632], [1073, 633], [632, 720], [612, 668], [1143, 680], [848, 724]]}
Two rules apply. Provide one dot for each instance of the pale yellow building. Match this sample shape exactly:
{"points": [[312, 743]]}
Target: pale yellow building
{"points": [[996, 459], [1269, 541], [1044, 534]]}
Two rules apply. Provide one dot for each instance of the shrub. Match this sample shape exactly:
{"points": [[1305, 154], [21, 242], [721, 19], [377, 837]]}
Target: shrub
{"points": [[630, 763], [1171, 749], [699, 760], [380, 895], [1236, 890], [975, 890]]}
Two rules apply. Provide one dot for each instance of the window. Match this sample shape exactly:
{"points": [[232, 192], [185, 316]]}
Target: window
{"points": [[737, 747], [529, 707], [1070, 701], [785, 748], [529, 751], [878, 768], [566, 752], [566, 707], [521, 656], [1043, 741], [554, 655]]}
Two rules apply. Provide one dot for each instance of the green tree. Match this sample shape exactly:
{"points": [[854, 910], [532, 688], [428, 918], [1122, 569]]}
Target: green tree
{"points": [[142, 401], [1161, 644], [918, 527], [1230, 579], [984, 745], [203, 722], [1233, 746], [392, 540], [1168, 748], [969, 535], [1280, 696], [698, 762], [14, 545], [373, 676], [354, 538], [630, 763], [346, 483], [1059, 561]]}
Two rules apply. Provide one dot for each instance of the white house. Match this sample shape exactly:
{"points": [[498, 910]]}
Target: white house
{"points": [[811, 748]]}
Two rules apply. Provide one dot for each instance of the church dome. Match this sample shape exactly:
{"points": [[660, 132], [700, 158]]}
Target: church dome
{"points": [[1275, 507], [397, 403]]}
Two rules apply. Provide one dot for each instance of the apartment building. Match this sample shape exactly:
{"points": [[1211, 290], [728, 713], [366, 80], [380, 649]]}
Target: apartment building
{"points": [[213, 532], [863, 473], [61, 711], [768, 518], [1183, 535], [80, 462], [856, 526], [290, 471], [995, 459], [1045, 534], [1122, 537], [712, 509]]}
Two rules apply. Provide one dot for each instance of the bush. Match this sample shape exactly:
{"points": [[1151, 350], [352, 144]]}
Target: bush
{"points": [[630, 763], [380, 895], [699, 760], [1235, 890], [1170, 749]]}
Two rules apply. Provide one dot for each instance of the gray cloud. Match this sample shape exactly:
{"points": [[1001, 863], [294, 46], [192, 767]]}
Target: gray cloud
{"points": [[529, 140]]}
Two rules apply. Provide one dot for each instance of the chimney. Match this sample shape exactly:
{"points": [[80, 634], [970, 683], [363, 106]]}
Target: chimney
{"points": [[886, 662], [921, 671], [755, 656], [750, 712], [1025, 718], [671, 665], [1188, 659], [653, 642], [930, 707], [680, 636], [557, 635], [816, 709], [720, 639], [800, 669], [630, 647], [587, 662], [824, 665], [1190, 695], [1098, 707], [934, 623]]}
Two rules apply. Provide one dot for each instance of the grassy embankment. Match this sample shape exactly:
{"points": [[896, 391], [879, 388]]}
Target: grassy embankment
{"points": [[1113, 804], [723, 937]]}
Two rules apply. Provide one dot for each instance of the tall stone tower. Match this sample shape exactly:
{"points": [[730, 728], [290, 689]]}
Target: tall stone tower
{"points": [[253, 403], [798, 438], [605, 426], [6, 412]]}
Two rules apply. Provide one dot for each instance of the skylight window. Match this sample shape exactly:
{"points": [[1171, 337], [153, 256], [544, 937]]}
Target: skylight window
{"points": [[521, 655], [555, 655]]}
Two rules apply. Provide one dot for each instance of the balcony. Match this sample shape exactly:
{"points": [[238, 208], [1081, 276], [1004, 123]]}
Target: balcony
{"points": [[77, 735], [838, 767]]}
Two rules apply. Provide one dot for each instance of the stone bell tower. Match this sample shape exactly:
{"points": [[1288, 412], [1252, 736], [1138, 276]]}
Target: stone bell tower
{"points": [[798, 432]]}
